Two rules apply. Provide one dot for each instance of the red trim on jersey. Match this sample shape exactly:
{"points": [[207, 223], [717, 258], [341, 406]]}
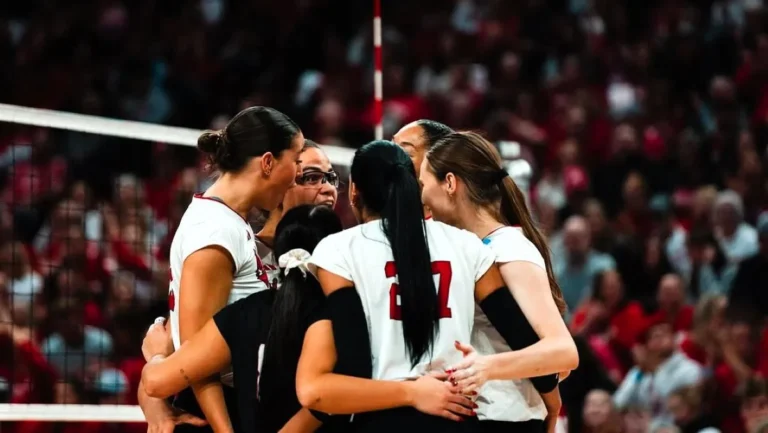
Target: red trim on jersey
{"points": [[201, 197]]}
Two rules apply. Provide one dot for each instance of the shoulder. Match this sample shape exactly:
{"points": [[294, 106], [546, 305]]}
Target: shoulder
{"points": [[453, 234], [511, 245]]}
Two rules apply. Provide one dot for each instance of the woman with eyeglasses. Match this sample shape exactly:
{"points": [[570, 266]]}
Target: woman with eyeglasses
{"points": [[316, 184]]}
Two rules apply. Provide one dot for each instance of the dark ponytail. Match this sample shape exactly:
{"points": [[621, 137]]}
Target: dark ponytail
{"points": [[296, 302], [386, 180], [476, 161]]}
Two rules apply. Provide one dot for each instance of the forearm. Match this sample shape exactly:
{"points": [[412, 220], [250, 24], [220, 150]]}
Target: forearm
{"points": [[210, 397], [150, 404], [548, 356], [302, 422], [338, 394]]}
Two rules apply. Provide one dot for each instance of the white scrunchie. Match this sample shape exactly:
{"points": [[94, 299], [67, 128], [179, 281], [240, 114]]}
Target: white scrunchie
{"points": [[295, 259]]}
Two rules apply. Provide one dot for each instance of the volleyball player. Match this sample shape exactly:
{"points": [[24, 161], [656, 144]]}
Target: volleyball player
{"points": [[416, 138], [464, 185], [213, 259], [268, 323], [317, 184], [381, 276]]}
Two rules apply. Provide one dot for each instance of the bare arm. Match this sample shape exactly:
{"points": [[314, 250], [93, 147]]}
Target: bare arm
{"points": [[206, 281], [318, 388], [555, 351], [200, 357]]}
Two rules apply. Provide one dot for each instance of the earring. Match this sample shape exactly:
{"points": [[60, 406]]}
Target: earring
{"points": [[267, 172]]}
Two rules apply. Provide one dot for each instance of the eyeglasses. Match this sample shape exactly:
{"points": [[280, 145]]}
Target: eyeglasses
{"points": [[316, 178]]}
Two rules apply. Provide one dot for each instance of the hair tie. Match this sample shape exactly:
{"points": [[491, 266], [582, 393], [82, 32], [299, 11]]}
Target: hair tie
{"points": [[499, 176], [297, 258]]}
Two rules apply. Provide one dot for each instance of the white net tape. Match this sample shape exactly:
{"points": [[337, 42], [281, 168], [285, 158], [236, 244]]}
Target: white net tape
{"points": [[116, 128], [126, 129], [70, 413]]}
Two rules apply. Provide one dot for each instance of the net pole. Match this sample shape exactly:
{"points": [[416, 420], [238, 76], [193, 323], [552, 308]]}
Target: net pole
{"points": [[378, 92]]}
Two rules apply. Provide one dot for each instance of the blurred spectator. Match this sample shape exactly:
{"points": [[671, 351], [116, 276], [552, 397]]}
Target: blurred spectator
{"points": [[687, 407], [672, 305], [578, 264], [737, 238], [660, 371], [752, 277], [74, 345], [754, 405], [614, 319], [701, 343], [599, 413]]}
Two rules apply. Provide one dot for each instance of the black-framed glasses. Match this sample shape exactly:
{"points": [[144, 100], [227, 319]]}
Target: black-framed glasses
{"points": [[316, 178]]}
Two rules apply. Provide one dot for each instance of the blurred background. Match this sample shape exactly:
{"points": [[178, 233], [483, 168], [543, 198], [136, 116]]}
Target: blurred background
{"points": [[639, 128]]}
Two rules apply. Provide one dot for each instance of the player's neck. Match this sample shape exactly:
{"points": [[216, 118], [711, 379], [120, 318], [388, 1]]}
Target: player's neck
{"points": [[480, 223], [233, 193]]}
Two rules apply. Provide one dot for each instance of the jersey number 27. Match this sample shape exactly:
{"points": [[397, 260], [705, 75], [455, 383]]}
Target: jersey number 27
{"points": [[440, 268]]}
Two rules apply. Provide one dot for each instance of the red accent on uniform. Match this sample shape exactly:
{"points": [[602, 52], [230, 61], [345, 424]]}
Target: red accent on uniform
{"points": [[171, 301], [260, 272]]}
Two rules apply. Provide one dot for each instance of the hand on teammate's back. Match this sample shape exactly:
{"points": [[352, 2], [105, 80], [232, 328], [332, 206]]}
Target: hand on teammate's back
{"points": [[433, 395], [472, 372]]}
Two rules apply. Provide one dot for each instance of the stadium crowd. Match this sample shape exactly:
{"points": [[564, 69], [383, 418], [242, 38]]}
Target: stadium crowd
{"points": [[645, 123]]}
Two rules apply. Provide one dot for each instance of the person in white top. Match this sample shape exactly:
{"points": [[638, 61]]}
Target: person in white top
{"points": [[464, 184], [401, 291], [213, 254], [317, 184]]}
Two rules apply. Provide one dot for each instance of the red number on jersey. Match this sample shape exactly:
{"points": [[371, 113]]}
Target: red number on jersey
{"points": [[441, 268]]}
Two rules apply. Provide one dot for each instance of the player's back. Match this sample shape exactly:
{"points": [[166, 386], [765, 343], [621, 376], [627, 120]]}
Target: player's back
{"points": [[363, 255]]}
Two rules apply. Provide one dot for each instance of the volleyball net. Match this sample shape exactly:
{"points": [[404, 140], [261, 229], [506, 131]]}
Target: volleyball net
{"points": [[88, 209]]}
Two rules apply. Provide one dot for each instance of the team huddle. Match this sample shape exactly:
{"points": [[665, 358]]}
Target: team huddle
{"points": [[438, 312]]}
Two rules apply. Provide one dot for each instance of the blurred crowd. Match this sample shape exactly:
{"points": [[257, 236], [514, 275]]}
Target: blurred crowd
{"points": [[644, 124]]}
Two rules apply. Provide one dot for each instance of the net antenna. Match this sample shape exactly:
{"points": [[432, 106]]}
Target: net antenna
{"points": [[378, 92]]}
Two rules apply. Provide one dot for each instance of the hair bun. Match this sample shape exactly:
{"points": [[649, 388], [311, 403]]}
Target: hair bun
{"points": [[214, 143], [210, 141]]}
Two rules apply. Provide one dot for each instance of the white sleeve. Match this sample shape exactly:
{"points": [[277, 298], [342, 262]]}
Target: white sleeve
{"points": [[479, 255], [328, 255], [205, 235], [515, 247]]}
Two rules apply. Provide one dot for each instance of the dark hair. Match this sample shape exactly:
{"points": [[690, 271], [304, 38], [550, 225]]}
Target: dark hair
{"points": [[386, 180], [476, 161], [251, 133], [752, 388], [433, 130], [309, 144], [297, 300]]}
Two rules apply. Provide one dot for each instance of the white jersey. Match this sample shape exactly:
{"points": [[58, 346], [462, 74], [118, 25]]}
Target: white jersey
{"points": [[208, 222], [506, 400], [363, 255]]}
